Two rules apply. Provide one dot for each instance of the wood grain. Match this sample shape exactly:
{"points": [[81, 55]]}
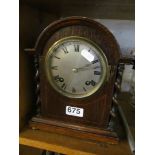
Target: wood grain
{"points": [[26, 95], [97, 106], [69, 145], [88, 133], [107, 9], [26, 150], [31, 22]]}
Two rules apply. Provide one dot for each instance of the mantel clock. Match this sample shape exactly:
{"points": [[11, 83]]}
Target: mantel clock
{"points": [[76, 61]]}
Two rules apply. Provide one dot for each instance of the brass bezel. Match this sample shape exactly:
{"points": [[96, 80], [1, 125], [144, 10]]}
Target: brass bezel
{"points": [[102, 58]]}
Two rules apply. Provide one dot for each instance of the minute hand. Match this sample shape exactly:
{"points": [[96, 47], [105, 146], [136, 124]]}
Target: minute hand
{"points": [[87, 65], [86, 68]]}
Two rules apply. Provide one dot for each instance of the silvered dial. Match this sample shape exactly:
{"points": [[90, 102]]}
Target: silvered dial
{"points": [[76, 67]]}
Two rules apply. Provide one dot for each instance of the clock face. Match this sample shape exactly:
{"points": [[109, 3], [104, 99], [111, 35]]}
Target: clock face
{"points": [[76, 67]]}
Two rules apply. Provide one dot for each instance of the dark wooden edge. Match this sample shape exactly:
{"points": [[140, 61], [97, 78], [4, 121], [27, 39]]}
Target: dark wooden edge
{"points": [[71, 126], [30, 51], [127, 59], [69, 21], [93, 134]]}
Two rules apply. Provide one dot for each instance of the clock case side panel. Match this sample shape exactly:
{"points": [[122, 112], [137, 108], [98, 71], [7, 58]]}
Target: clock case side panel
{"points": [[111, 49]]}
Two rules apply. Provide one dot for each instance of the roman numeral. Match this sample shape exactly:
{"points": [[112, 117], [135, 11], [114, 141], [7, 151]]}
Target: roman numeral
{"points": [[65, 50], [84, 89], [63, 86], [97, 73], [95, 61], [73, 90], [55, 56], [58, 78], [54, 67], [97, 67], [76, 47], [92, 82]]}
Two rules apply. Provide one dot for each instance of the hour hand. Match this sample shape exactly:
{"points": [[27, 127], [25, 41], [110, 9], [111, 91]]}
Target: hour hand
{"points": [[75, 70], [87, 65]]}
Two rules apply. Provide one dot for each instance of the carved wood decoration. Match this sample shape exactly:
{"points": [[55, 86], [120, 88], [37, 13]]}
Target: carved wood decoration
{"points": [[97, 107]]}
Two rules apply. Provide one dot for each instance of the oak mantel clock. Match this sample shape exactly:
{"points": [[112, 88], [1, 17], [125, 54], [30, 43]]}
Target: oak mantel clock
{"points": [[76, 62]]}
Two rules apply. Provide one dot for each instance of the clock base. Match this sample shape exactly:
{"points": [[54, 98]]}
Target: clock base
{"points": [[82, 132]]}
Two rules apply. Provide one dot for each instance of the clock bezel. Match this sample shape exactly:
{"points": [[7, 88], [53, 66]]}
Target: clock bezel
{"points": [[103, 60]]}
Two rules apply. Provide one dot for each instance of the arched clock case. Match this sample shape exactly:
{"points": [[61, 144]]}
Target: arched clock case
{"points": [[76, 63]]}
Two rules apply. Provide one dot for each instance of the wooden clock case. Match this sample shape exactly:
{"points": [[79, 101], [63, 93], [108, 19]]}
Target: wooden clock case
{"points": [[50, 105]]}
